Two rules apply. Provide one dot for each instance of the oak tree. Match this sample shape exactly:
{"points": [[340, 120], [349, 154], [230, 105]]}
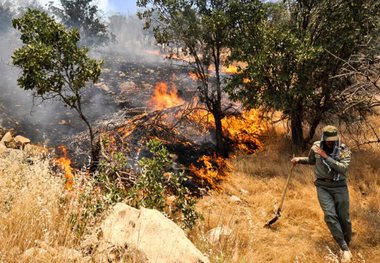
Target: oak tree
{"points": [[294, 61], [202, 30], [53, 65], [85, 16]]}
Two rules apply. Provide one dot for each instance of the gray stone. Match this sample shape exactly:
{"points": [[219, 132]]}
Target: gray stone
{"points": [[150, 234], [7, 137], [214, 235]]}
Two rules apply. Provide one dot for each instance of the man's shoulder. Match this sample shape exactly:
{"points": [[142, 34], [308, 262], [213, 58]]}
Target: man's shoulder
{"points": [[344, 147], [344, 151]]}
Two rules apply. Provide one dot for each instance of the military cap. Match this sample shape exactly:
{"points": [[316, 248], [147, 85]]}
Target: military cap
{"points": [[330, 133]]}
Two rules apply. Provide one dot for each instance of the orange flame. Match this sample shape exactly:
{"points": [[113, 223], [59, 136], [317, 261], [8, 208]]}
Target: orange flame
{"points": [[243, 130], [153, 52], [193, 76], [65, 163], [212, 170], [230, 69], [164, 98]]}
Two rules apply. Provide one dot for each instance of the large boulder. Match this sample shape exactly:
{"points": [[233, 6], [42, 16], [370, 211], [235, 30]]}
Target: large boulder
{"points": [[7, 138], [147, 234]]}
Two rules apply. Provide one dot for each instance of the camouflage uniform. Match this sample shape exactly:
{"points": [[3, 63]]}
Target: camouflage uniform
{"points": [[331, 183]]}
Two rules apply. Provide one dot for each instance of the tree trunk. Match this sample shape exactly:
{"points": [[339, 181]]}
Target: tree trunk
{"points": [[217, 107], [94, 146], [296, 127], [313, 127], [220, 144]]}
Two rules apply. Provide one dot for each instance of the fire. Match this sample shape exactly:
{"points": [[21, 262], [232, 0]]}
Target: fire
{"points": [[193, 76], [230, 69], [212, 170], [65, 163], [153, 52], [243, 130], [164, 98], [242, 133]]}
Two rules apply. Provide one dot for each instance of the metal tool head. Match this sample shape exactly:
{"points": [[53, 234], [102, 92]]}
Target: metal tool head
{"points": [[274, 219]]}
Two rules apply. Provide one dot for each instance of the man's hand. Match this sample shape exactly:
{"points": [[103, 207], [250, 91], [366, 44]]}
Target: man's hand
{"points": [[295, 160], [321, 152]]}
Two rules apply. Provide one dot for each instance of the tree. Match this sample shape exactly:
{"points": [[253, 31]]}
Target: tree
{"points": [[201, 29], [84, 16], [293, 64], [53, 65]]}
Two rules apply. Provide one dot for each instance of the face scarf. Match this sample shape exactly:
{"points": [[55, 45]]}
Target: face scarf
{"points": [[335, 154]]}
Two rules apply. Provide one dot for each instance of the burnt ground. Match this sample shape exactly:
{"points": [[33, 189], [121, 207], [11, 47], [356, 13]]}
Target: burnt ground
{"points": [[125, 84]]}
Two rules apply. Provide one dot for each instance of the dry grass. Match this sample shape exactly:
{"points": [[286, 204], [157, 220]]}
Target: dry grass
{"points": [[300, 235], [32, 214]]}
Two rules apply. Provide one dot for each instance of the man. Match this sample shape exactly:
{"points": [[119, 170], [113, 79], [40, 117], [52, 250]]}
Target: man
{"points": [[331, 160]]}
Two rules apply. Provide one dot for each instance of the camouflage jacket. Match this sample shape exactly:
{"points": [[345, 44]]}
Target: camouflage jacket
{"points": [[331, 169]]}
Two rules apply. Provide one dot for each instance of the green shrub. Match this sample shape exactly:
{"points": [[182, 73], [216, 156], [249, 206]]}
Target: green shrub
{"points": [[153, 187], [160, 189]]}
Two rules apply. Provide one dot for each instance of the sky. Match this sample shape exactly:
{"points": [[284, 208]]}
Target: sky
{"points": [[124, 7]]}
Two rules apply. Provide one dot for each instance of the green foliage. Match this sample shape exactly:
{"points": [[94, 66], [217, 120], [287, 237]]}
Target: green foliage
{"points": [[99, 192], [203, 30], [52, 63], [84, 16], [155, 186], [116, 182], [294, 58]]}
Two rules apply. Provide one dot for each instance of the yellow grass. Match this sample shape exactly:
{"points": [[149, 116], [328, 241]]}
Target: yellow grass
{"points": [[300, 235], [33, 212], [31, 209]]}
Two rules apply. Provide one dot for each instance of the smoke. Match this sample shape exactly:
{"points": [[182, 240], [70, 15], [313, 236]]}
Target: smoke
{"points": [[131, 40], [43, 122], [51, 123], [19, 109]]}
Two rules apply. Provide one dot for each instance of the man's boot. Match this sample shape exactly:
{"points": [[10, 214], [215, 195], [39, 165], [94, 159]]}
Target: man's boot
{"points": [[346, 256]]}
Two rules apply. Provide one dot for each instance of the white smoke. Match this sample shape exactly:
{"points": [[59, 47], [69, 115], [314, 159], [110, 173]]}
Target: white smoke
{"points": [[50, 119]]}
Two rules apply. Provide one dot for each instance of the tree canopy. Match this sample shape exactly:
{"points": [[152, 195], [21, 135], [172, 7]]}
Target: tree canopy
{"points": [[85, 16], [53, 65], [202, 30], [294, 63]]}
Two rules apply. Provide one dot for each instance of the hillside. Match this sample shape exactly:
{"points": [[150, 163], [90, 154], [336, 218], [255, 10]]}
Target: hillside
{"points": [[36, 209], [300, 235]]}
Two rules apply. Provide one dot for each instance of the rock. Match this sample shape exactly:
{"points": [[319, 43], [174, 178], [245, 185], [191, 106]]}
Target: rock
{"points": [[106, 70], [235, 199], [215, 234], [147, 232], [103, 86], [43, 252], [21, 139], [107, 252], [127, 87], [244, 192], [3, 148], [69, 254], [7, 138]]}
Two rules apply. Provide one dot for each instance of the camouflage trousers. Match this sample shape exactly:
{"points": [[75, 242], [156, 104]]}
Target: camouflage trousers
{"points": [[334, 202]]}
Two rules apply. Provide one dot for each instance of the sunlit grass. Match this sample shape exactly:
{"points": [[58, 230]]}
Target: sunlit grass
{"points": [[35, 209], [300, 235]]}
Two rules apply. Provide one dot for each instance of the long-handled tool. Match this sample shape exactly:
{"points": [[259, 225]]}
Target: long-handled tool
{"points": [[278, 211]]}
